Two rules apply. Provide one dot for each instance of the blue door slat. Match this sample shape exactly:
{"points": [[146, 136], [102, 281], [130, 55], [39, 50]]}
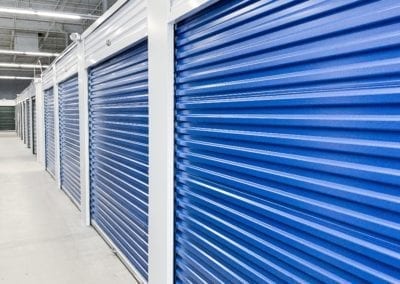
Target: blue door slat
{"points": [[69, 138], [50, 131], [287, 161], [118, 123]]}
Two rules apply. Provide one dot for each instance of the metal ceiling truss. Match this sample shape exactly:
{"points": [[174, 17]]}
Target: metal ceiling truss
{"points": [[53, 34]]}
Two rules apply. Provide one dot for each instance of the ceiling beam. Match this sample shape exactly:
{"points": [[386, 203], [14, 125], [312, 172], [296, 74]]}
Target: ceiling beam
{"points": [[39, 26], [53, 23]]}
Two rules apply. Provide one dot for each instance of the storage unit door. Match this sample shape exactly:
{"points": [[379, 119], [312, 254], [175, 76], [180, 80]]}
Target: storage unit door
{"points": [[7, 118], [49, 131], [18, 108], [28, 124], [68, 94], [24, 121], [287, 143], [118, 103], [17, 119], [21, 121], [34, 130]]}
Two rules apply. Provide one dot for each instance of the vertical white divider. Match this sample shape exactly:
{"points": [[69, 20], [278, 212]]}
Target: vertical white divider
{"points": [[161, 143], [56, 128], [84, 133], [40, 124]]}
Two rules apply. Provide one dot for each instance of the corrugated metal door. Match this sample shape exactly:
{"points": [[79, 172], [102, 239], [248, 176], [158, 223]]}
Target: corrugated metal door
{"points": [[21, 120], [68, 93], [28, 124], [16, 109], [287, 143], [49, 131], [24, 121], [7, 118], [118, 104], [34, 134], [18, 117]]}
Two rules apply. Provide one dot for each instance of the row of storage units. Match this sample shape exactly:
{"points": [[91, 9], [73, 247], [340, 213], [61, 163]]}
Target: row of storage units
{"points": [[25, 116], [232, 141]]}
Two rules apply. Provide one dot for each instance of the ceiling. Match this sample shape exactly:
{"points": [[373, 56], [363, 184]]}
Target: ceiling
{"points": [[52, 34]]}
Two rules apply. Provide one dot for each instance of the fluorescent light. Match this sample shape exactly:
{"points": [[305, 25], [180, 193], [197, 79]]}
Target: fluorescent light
{"points": [[28, 53], [58, 15], [16, 11], [17, 65], [15, 78], [47, 14]]}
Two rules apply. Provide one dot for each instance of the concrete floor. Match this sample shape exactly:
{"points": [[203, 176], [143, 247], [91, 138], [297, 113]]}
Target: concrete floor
{"points": [[41, 236]]}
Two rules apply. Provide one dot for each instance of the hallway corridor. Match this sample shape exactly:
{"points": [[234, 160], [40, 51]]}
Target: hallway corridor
{"points": [[41, 236]]}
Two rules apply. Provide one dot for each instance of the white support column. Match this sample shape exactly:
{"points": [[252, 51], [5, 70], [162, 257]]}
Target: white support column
{"points": [[56, 128], [84, 133], [161, 143], [40, 124]]}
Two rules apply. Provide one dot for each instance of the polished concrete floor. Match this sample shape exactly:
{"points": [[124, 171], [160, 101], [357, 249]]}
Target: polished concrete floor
{"points": [[41, 236]]}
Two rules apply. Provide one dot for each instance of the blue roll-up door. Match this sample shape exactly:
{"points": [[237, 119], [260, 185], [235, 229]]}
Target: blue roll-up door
{"points": [[68, 94], [49, 131], [21, 121], [34, 130], [118, 104], [287, 143], [24, 121], [18, 108], [28, 123]]}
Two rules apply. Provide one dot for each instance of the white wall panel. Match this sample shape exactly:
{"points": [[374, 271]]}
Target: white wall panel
{"points": [[7, 102], [184, 8], [67, 65], [126, 26], [47, 78]]}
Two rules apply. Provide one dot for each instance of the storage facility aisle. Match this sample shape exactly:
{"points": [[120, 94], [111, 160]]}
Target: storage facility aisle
{"points": [[42, 239]]}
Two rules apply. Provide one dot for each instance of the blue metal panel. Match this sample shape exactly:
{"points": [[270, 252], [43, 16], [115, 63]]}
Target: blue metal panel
{"points": [[24, 121], [34, 130], [118, 104], [20, 121], [28, 123], [68, 93], [49, 131], [287, 142]]}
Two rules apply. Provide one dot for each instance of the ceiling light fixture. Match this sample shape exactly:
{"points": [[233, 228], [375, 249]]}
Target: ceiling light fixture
{"points": [[28, 53], [15, 78], [27, 66], [47, 14]]}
